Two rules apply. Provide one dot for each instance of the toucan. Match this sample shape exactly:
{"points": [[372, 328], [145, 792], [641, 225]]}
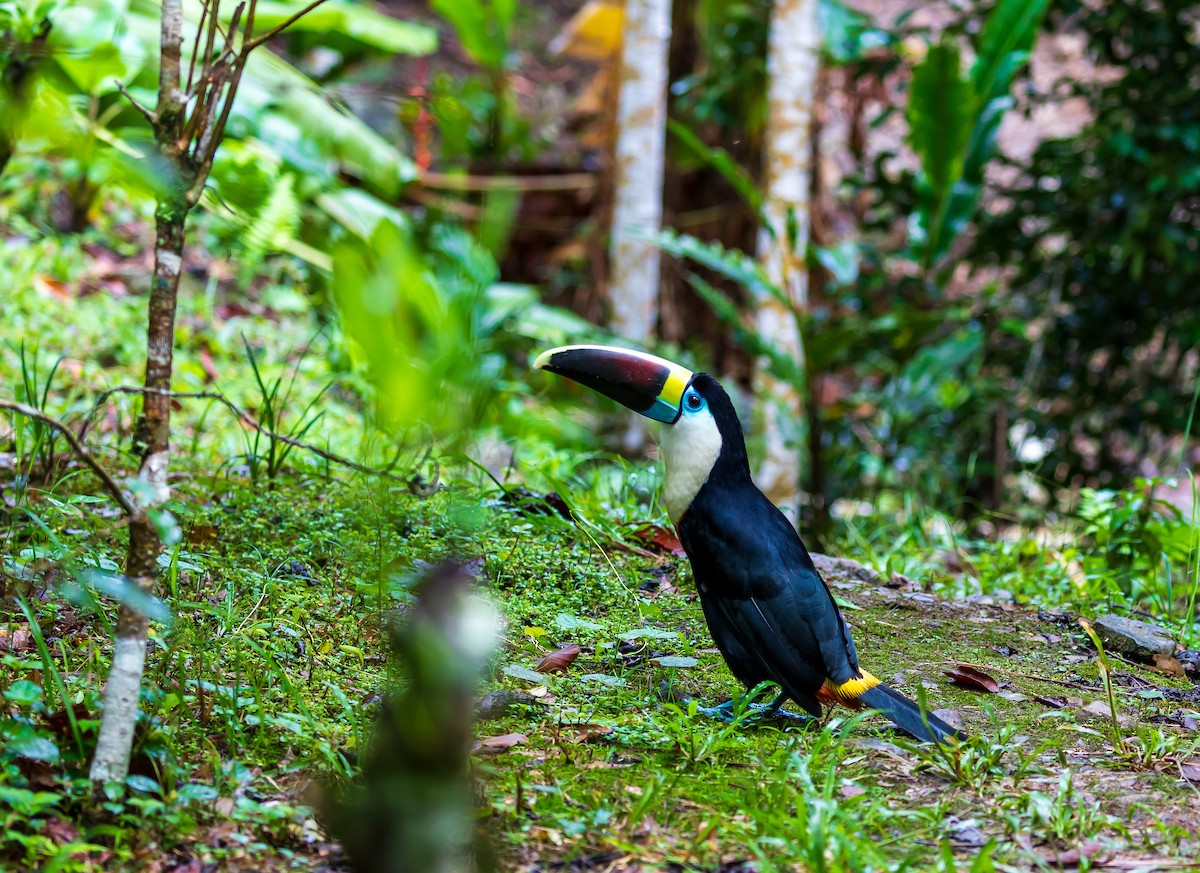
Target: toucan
{"points": [[769, 611]]}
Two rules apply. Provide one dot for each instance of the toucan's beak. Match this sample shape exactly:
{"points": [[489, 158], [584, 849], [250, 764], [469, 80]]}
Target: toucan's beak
{"points": [[646, 384]]}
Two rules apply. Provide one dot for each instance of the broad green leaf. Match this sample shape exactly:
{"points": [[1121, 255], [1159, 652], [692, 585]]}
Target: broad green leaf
{"points": [[24, 693], [143, 784], [649, 633], [604, 679], [358, 21], [361, 213], [24, 741], [477, 25], [941, 114], [675, 662], [518, 672], [126, 592], [1010, 31], [569, 622]]}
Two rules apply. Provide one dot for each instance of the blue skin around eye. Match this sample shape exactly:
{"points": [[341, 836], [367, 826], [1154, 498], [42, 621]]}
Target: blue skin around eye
{"points": [[687, 402]]}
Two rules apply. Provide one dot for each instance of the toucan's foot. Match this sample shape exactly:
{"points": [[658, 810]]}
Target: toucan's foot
{"points": [[721, 712], [725, 711], [775, 709]]}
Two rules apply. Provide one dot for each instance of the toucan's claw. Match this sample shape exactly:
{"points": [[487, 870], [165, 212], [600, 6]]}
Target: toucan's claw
{"points": [[755, 711]]}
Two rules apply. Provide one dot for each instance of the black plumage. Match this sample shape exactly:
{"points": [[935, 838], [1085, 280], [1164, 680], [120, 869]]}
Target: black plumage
{"points": [[768, 609]]}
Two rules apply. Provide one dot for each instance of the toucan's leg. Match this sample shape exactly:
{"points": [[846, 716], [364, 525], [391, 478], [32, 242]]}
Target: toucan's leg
{"points": [[721, 712], [775, 709]]}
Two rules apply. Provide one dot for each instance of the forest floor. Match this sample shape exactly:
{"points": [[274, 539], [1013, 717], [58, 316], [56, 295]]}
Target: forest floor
{"points": [[270, 672]]}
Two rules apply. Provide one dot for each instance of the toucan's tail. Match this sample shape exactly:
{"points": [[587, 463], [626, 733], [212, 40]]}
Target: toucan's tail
{"points": [[907, 716]]}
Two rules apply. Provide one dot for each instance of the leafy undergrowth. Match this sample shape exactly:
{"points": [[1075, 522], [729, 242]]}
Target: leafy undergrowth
{"points": [[269, 673]]}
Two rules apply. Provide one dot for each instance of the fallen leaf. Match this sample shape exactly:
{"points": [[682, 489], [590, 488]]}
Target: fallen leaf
{"points": [[1052, 702], [60, 831], [659, 539], [1169, 665], [950, 717], [17, 641], [496, 745], [972, 678], [1190, 770], [203, 534], [208, 365], [848, 791], [52, 287], [559, 660], [586, 733]]}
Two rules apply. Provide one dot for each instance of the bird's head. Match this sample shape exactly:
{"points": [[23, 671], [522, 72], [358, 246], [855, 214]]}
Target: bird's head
{"points": [[702, 426]]}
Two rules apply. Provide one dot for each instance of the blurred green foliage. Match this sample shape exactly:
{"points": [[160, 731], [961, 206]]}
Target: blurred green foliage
{"points": [[1101, 232]]}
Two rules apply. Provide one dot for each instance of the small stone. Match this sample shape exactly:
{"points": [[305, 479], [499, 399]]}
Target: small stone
{"points": [[1134, 639], [494, 704]]}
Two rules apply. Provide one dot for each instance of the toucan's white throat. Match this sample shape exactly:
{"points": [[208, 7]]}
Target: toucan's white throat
{"points": [[690, 448]]}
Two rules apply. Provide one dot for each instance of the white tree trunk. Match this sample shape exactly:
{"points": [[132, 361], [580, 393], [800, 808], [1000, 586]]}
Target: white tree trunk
{"points": [[792, 82], [641, 132]]}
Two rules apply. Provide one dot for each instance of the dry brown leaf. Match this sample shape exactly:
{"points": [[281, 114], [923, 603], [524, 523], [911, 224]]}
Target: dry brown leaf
{"points": [[1169, 665], [1190, 770], [588, 733], [659, 539], [559, 660], [17, 641], [972, 678], [52, 287], [203, 534], [496, 745]]}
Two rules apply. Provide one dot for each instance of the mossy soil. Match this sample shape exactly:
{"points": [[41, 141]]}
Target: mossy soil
{"points": [[271, 671]]}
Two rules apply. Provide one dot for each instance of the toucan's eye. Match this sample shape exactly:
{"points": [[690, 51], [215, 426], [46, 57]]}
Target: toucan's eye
{"points": [[694, 401]]}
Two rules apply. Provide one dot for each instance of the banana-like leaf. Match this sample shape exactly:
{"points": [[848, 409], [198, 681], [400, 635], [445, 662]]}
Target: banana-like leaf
{"points": [[941, 114], [1006, 40], [481, 27], [357, 21]]}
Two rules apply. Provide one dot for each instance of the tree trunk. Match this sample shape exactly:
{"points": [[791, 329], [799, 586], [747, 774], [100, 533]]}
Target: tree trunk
{"points": [[641, 131], [792, 76], [152, 436]]}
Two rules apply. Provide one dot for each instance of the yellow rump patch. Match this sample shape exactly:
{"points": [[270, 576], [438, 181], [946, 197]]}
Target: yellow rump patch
{"points": [[851, 689]]}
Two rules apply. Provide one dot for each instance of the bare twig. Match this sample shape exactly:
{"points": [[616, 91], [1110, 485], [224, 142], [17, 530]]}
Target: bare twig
{"points": [[249, 421], [145, 111], [275, 31], [81, 453]]}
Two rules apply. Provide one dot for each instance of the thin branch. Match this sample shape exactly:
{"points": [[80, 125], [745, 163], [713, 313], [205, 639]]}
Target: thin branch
{"points": [[196, 45], [252, 44], [250, 422], [83, 454], [146, 112]]}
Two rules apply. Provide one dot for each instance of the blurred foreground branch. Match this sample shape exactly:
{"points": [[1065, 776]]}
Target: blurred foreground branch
{"points": [[412, 810]]}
